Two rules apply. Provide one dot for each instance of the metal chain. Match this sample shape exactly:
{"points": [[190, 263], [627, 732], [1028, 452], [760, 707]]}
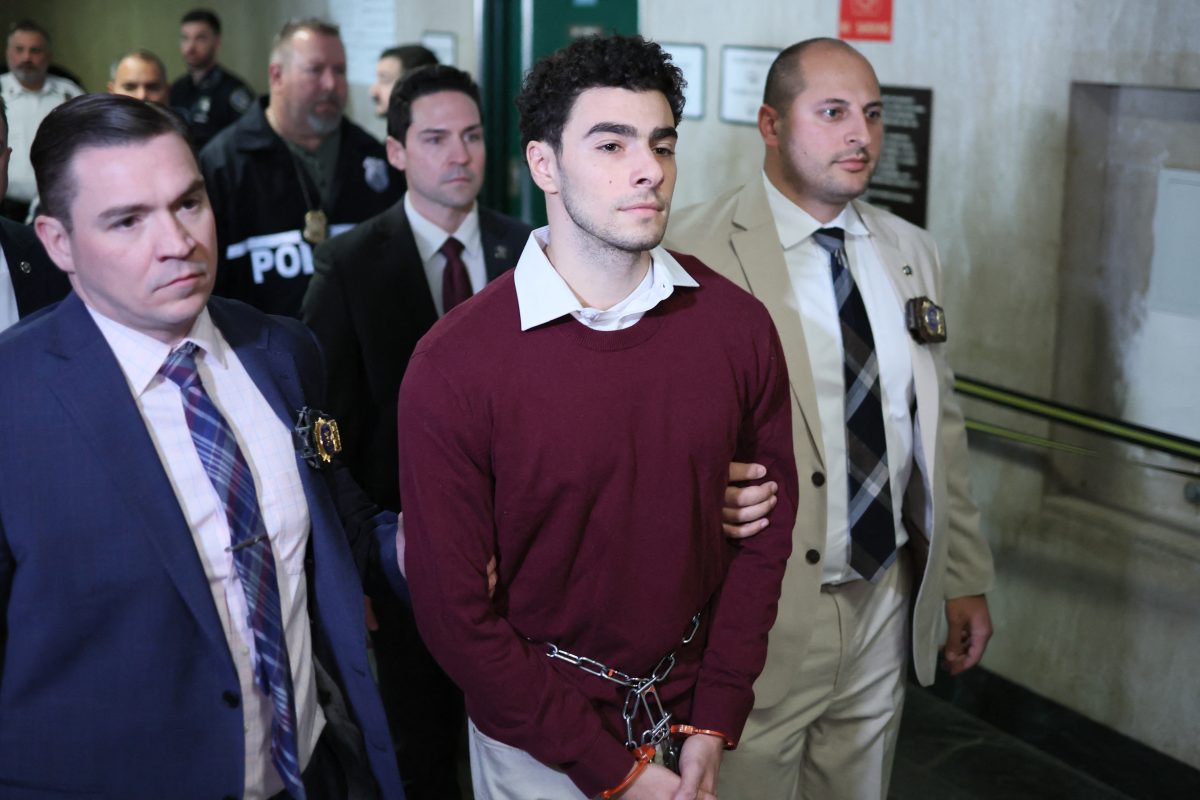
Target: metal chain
{"points": [[642, 696]]}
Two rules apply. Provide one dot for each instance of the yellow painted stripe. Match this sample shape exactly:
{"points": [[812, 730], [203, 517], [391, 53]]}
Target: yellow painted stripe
{"points": [[1025, 438], [1127, 432]]}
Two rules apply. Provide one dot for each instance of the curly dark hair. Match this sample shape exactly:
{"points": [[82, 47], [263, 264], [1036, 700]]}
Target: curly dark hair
{"points": [[624, 62]]}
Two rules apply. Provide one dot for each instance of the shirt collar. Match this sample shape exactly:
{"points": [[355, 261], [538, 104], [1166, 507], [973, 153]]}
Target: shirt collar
{"points": [[794, 224], [543, 295], [430, 237], [140, 356], [15, 88]]}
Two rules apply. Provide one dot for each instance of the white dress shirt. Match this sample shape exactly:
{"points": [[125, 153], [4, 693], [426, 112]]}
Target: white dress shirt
{"points": [[430, 238], [266, 444], [543, 295], [8, 295], [26, 110], [808, 267]]}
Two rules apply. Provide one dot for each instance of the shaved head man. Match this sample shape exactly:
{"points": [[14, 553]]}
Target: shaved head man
{"points": [[140, 74], [887, 547]]}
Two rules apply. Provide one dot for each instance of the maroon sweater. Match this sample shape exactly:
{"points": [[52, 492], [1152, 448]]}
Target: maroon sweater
{"points": [[593, 465]]}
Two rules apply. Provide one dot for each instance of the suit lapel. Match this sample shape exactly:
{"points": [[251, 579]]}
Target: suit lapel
{"points": [[756, 243], [21, 267], [272, 367], [907, 286], [402, 282], [86, 378], [499, 254]]}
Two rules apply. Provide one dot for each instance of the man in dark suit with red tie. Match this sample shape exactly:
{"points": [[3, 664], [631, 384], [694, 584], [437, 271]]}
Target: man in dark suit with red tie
{"points": [[375, 292]]}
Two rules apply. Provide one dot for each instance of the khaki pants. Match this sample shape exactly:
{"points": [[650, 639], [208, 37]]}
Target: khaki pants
{"points": [[833, 736]]}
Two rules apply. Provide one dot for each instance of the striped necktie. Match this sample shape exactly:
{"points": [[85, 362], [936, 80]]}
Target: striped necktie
{"points": [[252, 555], [872, 524]]}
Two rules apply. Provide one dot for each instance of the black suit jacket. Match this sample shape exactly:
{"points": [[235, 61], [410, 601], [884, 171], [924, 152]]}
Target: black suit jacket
{"points": [[369, 304], [36, 280]]}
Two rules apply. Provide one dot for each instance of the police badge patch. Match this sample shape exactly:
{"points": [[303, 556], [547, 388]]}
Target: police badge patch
{"points": [[317, 437], [375, 173], [240, 100]]}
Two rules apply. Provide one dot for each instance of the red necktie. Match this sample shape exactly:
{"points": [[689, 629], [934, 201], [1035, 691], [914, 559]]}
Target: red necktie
{"points": [[456, 285]]}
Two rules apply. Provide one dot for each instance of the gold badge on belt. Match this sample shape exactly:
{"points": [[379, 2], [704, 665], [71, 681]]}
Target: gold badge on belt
{"points": [[316, 226]]}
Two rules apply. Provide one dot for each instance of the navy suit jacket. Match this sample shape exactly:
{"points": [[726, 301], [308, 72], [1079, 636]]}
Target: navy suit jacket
{"points": [[369, 304], [115, 674], [36, 280]]}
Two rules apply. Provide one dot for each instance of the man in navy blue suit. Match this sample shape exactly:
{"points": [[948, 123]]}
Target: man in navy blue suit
{"points": [[180, 610]]}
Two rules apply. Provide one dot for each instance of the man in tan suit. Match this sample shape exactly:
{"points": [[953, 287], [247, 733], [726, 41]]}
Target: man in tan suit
{"points": [[886, 524]]}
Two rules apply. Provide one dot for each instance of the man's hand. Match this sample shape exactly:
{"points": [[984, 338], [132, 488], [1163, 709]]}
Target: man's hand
{"points": [[491, 578], [491, 567], [655, 783], [970, 629], [746, 507], [699, 763], [400, 543]]}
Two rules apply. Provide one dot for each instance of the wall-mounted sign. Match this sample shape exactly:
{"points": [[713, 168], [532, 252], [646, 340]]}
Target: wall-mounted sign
{"points": [[743, 77], [870, 20], [690, 59], [371, 26], [443, 45], [901, 180]]}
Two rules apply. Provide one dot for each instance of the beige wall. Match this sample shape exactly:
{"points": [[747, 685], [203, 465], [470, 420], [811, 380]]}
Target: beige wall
{"points": [[89, 34]]}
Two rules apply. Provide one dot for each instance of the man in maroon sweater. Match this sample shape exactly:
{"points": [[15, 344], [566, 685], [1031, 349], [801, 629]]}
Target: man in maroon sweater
{"points": [[575, 420]]}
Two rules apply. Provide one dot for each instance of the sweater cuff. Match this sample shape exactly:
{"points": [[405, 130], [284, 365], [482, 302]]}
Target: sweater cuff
{"points": [[721, 709], [606, 765]]}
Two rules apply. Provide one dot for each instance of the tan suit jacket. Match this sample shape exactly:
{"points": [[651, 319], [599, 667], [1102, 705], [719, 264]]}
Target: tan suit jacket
{"points": [[735, 234]]}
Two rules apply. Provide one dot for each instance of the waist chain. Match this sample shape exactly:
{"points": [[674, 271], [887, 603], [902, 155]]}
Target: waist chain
{"points": [[641, 697]]}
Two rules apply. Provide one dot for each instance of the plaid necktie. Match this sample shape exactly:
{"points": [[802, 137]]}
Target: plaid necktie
{"points": [[456, 284], [872, 525], [231, 477]]}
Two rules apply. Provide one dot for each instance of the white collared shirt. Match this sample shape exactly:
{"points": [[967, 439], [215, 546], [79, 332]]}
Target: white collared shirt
{"points": [[266, 444], [9, 313], [430, 238], [543, 295], [26, 110], [812, 282]]}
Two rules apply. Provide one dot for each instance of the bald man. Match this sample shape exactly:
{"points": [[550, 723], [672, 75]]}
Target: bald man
{"points": [[140, 74], [887, 546]]}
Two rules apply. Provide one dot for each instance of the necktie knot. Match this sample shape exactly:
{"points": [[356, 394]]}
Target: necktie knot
{"points": [[452, 249], [180, 365], [830, 239]]}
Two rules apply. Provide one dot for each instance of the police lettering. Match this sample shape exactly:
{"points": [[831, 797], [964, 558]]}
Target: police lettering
{"points": [[287, 260]]}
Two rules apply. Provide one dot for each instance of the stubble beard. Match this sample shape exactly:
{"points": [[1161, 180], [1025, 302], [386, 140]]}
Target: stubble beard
{"points": [[826, 186], [602, 240]]}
